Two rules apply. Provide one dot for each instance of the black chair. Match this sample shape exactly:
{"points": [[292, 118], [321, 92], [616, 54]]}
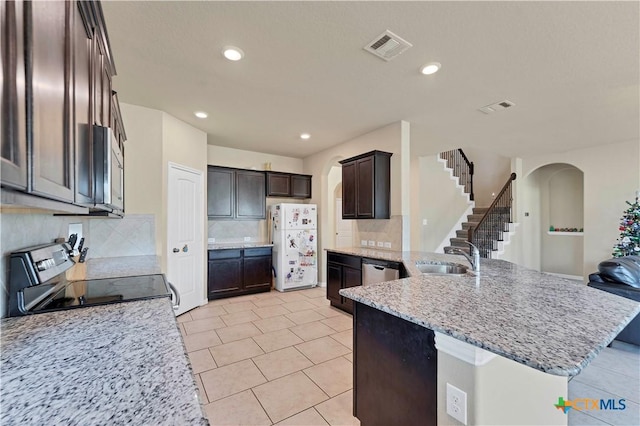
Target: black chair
{"points": [[621, 276]]}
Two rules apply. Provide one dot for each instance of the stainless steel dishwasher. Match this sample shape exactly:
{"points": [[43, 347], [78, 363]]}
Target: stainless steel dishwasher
{"points": [[378, 271]]}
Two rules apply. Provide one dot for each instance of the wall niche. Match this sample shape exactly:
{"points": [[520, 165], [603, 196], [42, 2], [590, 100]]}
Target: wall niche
{"points": [[562, 221]]}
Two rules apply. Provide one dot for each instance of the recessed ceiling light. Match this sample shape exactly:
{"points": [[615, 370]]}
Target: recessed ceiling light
{"points": [[430, 68], [233, 53], [201, 114], [305, 136]]}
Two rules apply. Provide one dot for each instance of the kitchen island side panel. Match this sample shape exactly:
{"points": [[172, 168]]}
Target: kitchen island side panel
{"points": [[395, 370]]}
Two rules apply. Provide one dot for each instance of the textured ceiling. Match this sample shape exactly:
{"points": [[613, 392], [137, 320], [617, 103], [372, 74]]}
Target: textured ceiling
{"points": [[571, 68]]}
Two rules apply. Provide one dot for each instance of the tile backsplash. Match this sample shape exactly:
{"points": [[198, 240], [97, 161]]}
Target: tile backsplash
{"points": [[380, 230], [232, 231], [133, 235]]}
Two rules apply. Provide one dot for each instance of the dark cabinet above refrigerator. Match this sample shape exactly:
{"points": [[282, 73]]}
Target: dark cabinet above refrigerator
{"points": [[290, 185]]}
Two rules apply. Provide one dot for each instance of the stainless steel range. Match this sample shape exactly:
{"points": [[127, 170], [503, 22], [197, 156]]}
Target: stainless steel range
{"points": [[37, 283]]}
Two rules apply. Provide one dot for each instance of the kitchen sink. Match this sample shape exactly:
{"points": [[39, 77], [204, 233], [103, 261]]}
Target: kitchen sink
{"points": [[441, 268]]}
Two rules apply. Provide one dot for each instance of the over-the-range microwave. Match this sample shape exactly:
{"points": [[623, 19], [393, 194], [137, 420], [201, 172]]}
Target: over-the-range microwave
{"points": [[109, 171]]}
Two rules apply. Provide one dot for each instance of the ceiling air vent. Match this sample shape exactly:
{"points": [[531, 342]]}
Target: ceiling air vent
{"points": [[498, 106], [387, 45]]}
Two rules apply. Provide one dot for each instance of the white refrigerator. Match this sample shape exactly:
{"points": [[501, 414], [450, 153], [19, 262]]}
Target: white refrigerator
{"points": [[295, 245]]}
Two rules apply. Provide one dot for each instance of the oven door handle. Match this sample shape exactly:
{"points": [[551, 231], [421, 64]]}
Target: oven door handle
{"points": [[176, 293]]}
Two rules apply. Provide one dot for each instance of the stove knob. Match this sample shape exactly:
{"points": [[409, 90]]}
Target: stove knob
{"points": [[44, 264]]}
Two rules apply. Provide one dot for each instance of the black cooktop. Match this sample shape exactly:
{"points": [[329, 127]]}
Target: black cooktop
{"points": [[76, 294]]}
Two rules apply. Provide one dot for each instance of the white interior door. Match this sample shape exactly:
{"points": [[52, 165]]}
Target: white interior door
{"points": [[185, 235], [344, 228]]}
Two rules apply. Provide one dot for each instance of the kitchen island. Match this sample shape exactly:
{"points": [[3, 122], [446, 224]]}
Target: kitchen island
{"points": [[112, 364], [508, 332]]}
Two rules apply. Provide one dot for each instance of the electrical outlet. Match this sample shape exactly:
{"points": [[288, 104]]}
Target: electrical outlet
{"points": [[457, 404], [247, 239], [211, 240], [363, 243], [380, 244], [387, 245], [372, 243]]}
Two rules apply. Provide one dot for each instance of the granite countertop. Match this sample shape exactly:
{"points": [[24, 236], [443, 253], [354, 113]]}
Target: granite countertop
{"points": [[111, 364], [552, 324], [239, 245]]}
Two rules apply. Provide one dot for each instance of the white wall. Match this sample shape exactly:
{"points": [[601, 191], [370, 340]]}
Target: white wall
{"points": [[611, 177], [241, 159], [143, 171], [438, 201], [491, 172], [156, 138]]}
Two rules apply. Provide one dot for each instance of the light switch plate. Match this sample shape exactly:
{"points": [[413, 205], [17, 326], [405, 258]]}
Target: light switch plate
{"points": [[247, 239], [211, 240], [363, 243], [387, 245], [380, 244], [372, 243]]}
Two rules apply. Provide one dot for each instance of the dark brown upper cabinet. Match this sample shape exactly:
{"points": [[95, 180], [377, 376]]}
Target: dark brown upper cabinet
{"points": [[82, 93], [250, 197], [280, 184], [48, 78], [12, 96], [57, 68], [235, 194], [366, 186], [301, 186]]}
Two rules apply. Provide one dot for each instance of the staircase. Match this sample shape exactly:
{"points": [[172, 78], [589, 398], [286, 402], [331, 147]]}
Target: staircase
{"points": [[489, 238], [488, 228]]}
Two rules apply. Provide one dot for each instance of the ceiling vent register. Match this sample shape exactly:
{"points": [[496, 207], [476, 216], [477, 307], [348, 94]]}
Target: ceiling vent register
{"points": [[387, 45], [498, 106]]}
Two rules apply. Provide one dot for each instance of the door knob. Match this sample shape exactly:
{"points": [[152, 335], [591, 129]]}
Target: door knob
{"points": [[176, 250]]}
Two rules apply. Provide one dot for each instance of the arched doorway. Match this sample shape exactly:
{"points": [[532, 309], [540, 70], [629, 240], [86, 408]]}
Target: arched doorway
{"points": [[554, 233]]}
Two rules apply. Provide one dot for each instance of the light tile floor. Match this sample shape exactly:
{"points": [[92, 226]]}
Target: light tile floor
{"points": [[272, 358], [614, 374], [286, 358]]}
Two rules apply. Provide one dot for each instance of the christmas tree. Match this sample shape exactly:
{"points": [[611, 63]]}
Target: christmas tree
{"points": [[629, 241]]}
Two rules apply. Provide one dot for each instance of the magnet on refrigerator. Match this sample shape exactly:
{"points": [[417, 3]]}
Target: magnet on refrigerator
{"points": [[295, 244]]}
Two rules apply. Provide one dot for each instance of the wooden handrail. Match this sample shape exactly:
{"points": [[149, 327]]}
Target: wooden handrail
{"points": [[489, 211], [455, 155]]}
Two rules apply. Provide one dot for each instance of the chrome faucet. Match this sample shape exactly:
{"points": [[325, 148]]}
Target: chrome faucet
{"points": [[474, 261]]}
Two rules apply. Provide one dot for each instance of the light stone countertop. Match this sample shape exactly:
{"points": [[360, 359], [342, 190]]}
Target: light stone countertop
{"points": [[238, 245], [112, 364], [552, 324]]}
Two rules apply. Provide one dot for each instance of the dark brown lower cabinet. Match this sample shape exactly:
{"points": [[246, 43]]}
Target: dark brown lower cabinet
{"points": [[395, 370], [343, 271], [257, 268], [233, 272]]}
